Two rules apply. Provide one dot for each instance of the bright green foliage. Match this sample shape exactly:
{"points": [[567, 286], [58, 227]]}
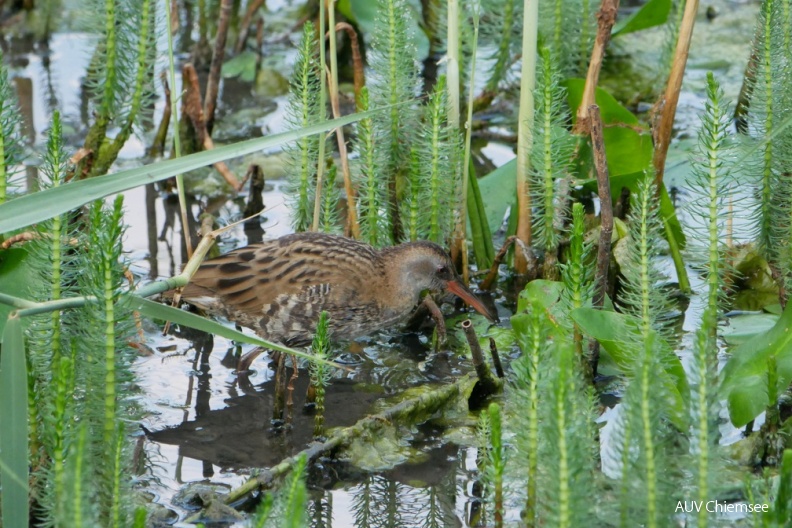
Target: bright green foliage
{"points": [[500, 31], [393, 80], [320, 373], [531, 333], [566, 438], [770, 104], [645, 450], [437, 194], [120, 74], [303, 110], [492, 461], [106, 363], [372, 186], [567, 28], [329, 222], [712, 192], [641, 296], [576, 274], [56, 267], [10, 134], [551, 154], [705, 408]]}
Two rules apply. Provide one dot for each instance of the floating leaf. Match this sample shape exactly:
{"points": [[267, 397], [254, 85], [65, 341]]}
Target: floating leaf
{"points": [[745, 374], [653, 13], [617, 334], [745, 326]]}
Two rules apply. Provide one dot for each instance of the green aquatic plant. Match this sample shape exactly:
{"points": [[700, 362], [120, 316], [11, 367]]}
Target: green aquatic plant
{"points": [[120, 76], [320, 373], [106, 375], [567, 30], [712, 191], [393, 79], [329, 222], [501, 27], [435, 180], [493, 460], [576, 275], [551, 159], [372, 188], [303, 109], [566, 437], [10, 134]]}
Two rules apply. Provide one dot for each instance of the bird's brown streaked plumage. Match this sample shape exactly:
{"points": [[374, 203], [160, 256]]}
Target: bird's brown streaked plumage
{"points": [[278, 288]]}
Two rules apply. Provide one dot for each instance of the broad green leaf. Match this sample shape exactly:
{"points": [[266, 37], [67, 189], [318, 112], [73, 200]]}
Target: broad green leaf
{"points": [[175, 315], [14, 429], [498, 189], [745, 374], [745, 326], [479, 232], [242, 66], [616, 334], [653, 13], [627, 150], [36, 207], [545, 292], [14, 278], [365, 12]]}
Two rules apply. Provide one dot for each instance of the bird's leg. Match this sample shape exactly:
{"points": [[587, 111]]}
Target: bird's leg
{"points": [[280, 388], [437, 315]]}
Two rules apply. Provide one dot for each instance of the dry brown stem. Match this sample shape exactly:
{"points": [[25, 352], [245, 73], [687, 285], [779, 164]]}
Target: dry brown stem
{"points": [[194, 111], [218, 54], [662, 134], [357, 59], [606, 17], [244, 27], [606, 221]]}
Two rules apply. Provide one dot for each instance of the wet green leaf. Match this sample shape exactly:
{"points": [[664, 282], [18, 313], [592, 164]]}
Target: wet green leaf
{"points": [[14, 278], [498, 189], [615, 333], [31, 208], [745, 326], [545, 292], [14, 430], [653, 13], [242, 66], [745, 374]]}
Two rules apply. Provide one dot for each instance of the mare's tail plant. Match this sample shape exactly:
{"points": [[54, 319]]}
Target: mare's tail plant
{"points": [[712, 191], [567, 29], [642, 426], [10, 134], [54, 264], [106, 374], [320, 374], [770, 104], [329, 222], [550, 159], [435, 179], [576, 275], [120, 76], [393, 80], [372, 188], [566, 437], [303, 110], [493, 460], [531, 333]]}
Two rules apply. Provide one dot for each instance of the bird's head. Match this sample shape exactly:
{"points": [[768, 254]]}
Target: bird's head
{"points": [[426, 266]]}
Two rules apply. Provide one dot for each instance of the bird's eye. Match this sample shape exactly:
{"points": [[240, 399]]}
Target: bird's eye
{"points": [[442, 270]]}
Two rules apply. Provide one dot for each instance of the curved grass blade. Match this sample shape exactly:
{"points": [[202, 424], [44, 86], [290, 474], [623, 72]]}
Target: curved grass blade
{"points": [[36, 207], [162, 311], [14, 430]]}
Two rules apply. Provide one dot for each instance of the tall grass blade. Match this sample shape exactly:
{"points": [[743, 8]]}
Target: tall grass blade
{"points": [[14, 429], [32, 208]]}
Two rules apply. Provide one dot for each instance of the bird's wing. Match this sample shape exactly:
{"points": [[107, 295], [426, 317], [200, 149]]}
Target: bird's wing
{"points": [[288, 271]]}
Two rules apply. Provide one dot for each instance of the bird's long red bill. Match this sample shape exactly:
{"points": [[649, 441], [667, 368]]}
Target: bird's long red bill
{"points": [[459, 289]]}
